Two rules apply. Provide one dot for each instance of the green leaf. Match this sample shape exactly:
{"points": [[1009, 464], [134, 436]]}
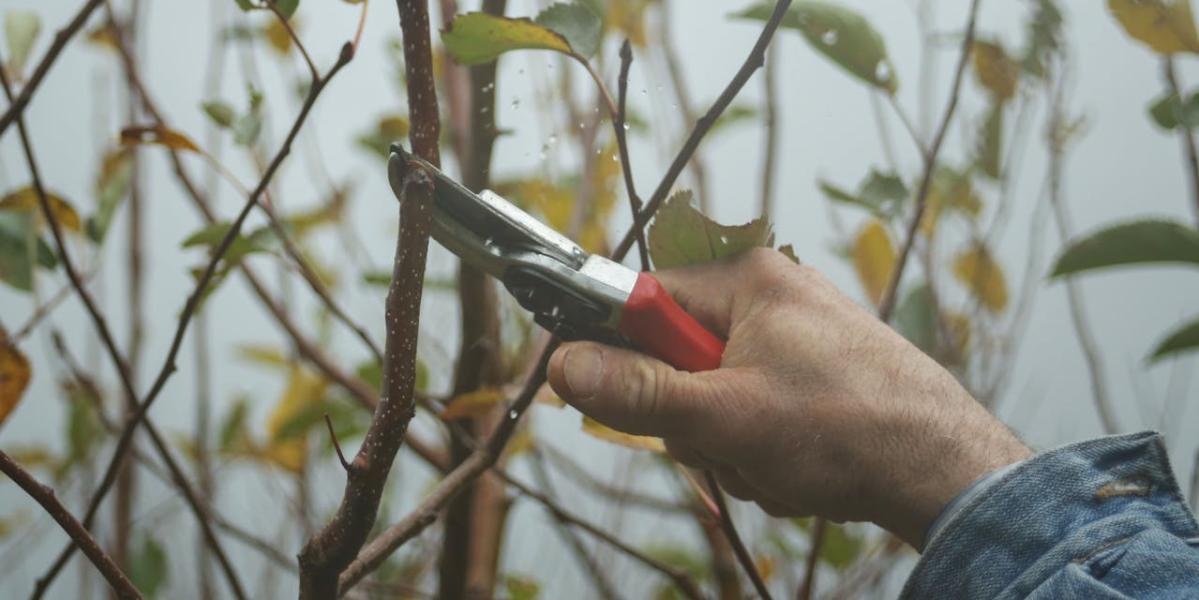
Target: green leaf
{"points": [[286, 7], [734, 115], [245, 5], [521, 587], [840, 546], [841, 34], [881, 193], [681, 235], [577, 23], [21, 28], [149, 568], [220, 112], [233, 426], [989, 151], [1169, 111], [1044, 34], [259, 240], [110, 188], [1149, 241], [246, 129], [476, 38], [16, 265], [1184, 339], [83, 427], [916, 318]]}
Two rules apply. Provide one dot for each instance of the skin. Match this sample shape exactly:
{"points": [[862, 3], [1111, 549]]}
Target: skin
{"points": [[818, 408]]}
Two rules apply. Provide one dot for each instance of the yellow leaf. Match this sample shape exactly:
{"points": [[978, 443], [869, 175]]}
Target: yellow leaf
{"points": [[950, 191], [33, 457], [628, 16], [522, 441], [765, 566], [979, 272], [1166, 26], [995, 70], [14, 376], [959, 329], [873, 259], [636, 442], [157, 135], [276, 35], [476, 37], [104, 36], [472, 404], [303, 390], [261, 354], [26, 198]]}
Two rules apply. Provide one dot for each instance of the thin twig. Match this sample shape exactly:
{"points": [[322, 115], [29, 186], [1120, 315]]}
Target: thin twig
{"points": [[336, 445], [326, 554], [61, 38], [887, 305], [756, 58], [603, 586], [47, 307], [1185, 134], [679, 577], [770, 130], [819, 529], [621, 131], [316, 75], [44, 495], [730, 532], [1082, 328], [122, 367]]}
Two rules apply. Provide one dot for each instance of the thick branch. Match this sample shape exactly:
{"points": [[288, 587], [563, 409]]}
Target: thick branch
{"points": [[756, 58], [327, 552], [44, 495], [61, 38]]}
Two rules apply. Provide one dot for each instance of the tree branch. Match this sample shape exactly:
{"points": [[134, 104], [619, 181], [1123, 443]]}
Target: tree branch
{"points": [[61, 38], [44, 495], [621, 131], [887, 304], [326, 553], [755, 59], [730, 532], [1185, 134], [770, 127]]}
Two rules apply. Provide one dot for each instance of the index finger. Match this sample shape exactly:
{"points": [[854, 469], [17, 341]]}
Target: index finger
{"points": [[716, 293]]}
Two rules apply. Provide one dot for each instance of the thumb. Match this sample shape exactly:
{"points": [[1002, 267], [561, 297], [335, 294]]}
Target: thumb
{"points": [[627, 390]]}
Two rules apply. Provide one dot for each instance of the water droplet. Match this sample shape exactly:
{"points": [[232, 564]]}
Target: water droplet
{"points": [[626, 126], [724, 239], [582, 125], [829, 37], [643, 91], [553, 139], [615, 157], [599, 151], [512, 414], [515, 103], [882, 71], [522, 71]]}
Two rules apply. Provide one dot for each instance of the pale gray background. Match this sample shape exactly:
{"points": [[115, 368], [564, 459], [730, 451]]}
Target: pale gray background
{"points": [[1123, 167]]}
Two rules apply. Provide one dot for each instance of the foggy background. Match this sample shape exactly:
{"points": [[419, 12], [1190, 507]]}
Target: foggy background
{"points": [[1123, 167]]}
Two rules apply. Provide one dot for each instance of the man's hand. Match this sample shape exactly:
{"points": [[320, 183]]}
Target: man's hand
{"points": [[818, 408]]}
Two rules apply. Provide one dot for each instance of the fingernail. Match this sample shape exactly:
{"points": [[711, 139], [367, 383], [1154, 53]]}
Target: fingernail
{"points": [[583, 367]]}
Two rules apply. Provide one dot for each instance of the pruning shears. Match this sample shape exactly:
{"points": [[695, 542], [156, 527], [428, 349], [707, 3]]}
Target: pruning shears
{"points": [[571, 293]]}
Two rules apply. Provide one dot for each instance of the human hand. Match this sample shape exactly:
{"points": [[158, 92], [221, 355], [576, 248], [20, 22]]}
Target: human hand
{"points": [[818, 408]]}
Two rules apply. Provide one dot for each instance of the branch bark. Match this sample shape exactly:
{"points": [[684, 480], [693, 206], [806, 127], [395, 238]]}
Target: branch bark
{"points": [[730, 532], [64, 35], [621, 131], [327, 553], [44, 495]]}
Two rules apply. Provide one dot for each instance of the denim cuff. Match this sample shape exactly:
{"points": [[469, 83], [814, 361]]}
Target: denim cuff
{"points": [[1059, 506]]}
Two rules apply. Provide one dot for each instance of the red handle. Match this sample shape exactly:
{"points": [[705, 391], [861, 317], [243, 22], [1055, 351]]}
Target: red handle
{"points": [[660, 327]]}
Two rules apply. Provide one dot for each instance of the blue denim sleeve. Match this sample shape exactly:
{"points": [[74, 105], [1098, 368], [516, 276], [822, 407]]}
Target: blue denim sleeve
{"points": [[1098, 519]]}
